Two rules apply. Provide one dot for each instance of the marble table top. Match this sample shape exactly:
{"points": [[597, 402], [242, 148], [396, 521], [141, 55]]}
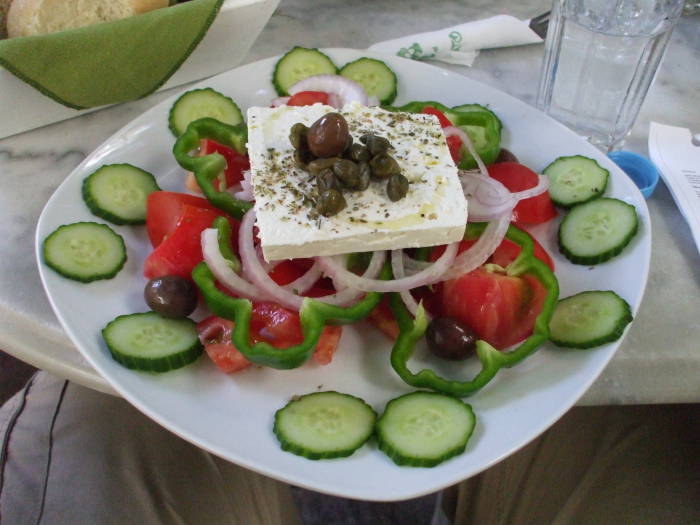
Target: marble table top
{"points": [[659, 361]]}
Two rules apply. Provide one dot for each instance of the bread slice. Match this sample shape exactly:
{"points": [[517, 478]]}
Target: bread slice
{"points": [[38, 17]]}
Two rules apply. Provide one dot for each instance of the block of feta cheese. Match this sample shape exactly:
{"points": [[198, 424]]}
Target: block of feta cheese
{"points": [[433, 212]]}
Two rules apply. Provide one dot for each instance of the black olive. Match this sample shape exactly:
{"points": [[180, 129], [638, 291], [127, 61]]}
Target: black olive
{"points": [[359, 153], [171, 296], [317, 166], [505, 156], [383, 166], [328, 136], [325, 180], [297, 135], [330, 202], [347, 172], [397, 187], [375, 144], [365, 174], [450, 339]]}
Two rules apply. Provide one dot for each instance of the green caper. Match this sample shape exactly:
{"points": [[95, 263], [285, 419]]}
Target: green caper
{"points": [[375, 144], [330, 202], [325, 180], [318, 165], [297, 135], [302, 157], [384, 166], [348, 145], [359, 153], [365, 174], [397, 187], [347, 172]]}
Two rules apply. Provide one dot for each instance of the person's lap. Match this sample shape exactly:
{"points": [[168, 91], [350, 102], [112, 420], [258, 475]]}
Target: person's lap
{"points": [[71, 455]]}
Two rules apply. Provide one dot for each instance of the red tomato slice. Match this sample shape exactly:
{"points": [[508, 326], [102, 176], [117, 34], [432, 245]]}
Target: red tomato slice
{"points": [[270, 323], [163, 211], [290, 270], [181, 251], [517, 177], [236, 163], [444, 121], [453, 143], [383, 318], [308, 98]]}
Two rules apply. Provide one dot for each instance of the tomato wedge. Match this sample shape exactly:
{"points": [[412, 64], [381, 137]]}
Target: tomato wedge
{"points": [[163, 211], [236, 164], [308, 98], [454, 143], [517, 177]]}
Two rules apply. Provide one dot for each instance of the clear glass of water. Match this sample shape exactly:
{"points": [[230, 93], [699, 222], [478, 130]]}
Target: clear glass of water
{"points": [[600, 59]]}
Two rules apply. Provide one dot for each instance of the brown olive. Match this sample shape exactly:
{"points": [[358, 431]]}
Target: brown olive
{"points": [[365, 174], [330, 202], [505, 156], [328, 136], [383, 166], [171, 296], [375, 144], [449, 338], [397, 187], [325, 180], [347, 172], [359, 153], [317, 166], [297, 135]]}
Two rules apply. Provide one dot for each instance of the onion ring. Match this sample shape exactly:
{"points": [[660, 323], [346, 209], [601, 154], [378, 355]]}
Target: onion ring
{"points": [[346, 90]]}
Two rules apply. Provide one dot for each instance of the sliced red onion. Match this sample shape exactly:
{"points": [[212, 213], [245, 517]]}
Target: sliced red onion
{"points": [[455, 131], [488, 198], [397, 261], [246, 188], [336, 270], [347, 90], [541, 187], [268, 266], [279, 101], [302, 284], [222, 271], [482, 249], [335, 101], [372, 100]]}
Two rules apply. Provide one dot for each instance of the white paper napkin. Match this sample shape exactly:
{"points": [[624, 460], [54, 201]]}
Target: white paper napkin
{"points": [[461, 44]]}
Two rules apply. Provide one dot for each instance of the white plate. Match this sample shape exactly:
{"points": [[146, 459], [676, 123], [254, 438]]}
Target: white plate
{"points": [[231, 416]]}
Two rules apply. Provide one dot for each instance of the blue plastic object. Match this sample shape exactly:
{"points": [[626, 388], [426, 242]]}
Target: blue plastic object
{"points": [[640, 169]]}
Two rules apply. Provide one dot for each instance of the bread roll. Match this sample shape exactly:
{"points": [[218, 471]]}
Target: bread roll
{"points": [[38, 17]]}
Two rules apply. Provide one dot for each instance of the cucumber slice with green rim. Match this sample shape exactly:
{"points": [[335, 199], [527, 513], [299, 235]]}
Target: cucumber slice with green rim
{"points": [[118, 193], [324, 425], [151, 343], [200, 103], [375, 76], [297, 64], [589, 319], [423, 429], [575, 180], [85, 251], [597, 231]]}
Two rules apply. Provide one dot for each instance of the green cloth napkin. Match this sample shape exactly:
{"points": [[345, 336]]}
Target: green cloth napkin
{"points": [[110, 62]]}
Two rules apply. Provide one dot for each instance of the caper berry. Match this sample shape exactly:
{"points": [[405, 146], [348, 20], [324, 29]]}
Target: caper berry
{"points": [[449, 338], [375, 144], [365, 174], [330, 202], [506, 156], [317, 166], [297, 135], [171, 296], [328, 136], [397, 187], [325, 180], [302, 157], [383, 166], [359, 153], [347, 172]]}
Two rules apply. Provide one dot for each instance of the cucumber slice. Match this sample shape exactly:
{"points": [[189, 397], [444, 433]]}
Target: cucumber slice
{"points": [[200, 103], [297, 64], [423, 429], [589, 319], [375, 76], [118, 193], [151, 343], [596, 231], [85, 251], [575, 180], [324, 425]]}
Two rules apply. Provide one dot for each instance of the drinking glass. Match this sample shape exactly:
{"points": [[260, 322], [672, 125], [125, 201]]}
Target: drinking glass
{"points": [[600, 59]]}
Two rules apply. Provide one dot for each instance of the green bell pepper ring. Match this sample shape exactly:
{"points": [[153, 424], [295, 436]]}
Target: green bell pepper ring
{"points": [[313, 315], [492, 360], [480, 123], [209, 167], [223, 235]]}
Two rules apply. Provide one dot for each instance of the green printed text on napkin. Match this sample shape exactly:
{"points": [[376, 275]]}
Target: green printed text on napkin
{"points": [[110, 62]]}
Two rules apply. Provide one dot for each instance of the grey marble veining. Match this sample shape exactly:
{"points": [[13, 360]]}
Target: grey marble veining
{"points": [[658, 362]]}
